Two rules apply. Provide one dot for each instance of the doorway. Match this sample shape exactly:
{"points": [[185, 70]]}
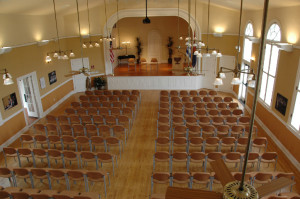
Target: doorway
{"points": [[154, 45], [28, 94]]}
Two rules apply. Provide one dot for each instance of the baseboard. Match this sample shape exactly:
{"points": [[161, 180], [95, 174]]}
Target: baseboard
{"points": [[54, 106], [286, 152]]}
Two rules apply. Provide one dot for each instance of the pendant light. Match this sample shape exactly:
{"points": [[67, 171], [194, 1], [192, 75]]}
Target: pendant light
{"points": [[59, 54], [236, 71], [91, 43], [7, 78]]}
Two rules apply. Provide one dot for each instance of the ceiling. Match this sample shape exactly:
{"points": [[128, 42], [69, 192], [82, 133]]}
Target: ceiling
{"points": [[44, 7]]}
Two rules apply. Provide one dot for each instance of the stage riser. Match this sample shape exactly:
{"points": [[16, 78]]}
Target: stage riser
{"points": [[159, 82]]}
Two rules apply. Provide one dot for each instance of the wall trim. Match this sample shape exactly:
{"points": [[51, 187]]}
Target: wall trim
{"points": [[288, 126], [57, 103], [11, 116], [16, 136], [277, 142], [62, 84]]}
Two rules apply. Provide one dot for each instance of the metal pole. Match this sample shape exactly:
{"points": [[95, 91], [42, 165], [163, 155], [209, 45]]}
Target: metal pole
{"points": [[54, 7], [79, 29], [208, 11], [260, 62], [239, 41]]}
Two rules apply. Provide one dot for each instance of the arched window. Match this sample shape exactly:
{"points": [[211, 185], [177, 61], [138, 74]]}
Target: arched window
{"points": [[247, 53], [270, 64]]}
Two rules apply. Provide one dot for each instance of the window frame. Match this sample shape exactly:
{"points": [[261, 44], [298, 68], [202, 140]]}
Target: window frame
{"points": [[293, 101], [271, 43], [245, 62]]}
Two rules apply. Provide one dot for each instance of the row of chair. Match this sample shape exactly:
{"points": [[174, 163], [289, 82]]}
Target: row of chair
{"points": [[107, 104], [203, 121], [94, 111], [211, 142], [200, 157], [51, 175], [200, 112], [188, 93], [29, 193], [106, 101], [81, 158], [208, 179], [113, 92], [77, 129], [66, 141], [188, 131], [197, 99]]}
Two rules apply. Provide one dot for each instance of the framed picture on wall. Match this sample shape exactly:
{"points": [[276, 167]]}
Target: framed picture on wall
{"points": [[281, 104], [52, 77], [9, 101]]}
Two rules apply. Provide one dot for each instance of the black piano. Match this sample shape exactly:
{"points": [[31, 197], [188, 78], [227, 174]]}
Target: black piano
{"points": [[125, 57]]}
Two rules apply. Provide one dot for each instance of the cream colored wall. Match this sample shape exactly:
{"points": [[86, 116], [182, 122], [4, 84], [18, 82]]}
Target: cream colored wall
{"points": [[131, 28]]}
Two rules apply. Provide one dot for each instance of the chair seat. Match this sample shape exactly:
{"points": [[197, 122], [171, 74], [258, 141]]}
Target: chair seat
{"points": [[69, 193], [12, 189], [158, 196], [50, 193], [30, 191]]}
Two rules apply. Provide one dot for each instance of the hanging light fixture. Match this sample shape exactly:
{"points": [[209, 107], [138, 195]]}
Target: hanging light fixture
{"points": [[60, 54], [201, 45], [236, 71], [7, 78], [91, 43]]}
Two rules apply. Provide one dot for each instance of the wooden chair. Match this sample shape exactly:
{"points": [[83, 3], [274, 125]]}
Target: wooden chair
{"points": [[201, 178], [97, 141], [86, 157], [99, 176], [179, 157], [161, 156], [10, 152], [131, 62], [153, 61], [112, 141], [197, 158], [159, 178], [70, 156], [196, 144], [181, 178], [162, 142], [234, 157], [104, 157]]}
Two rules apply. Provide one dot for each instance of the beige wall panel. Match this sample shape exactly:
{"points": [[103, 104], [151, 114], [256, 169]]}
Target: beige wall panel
{"points": [[56, 95], [11, 127]]}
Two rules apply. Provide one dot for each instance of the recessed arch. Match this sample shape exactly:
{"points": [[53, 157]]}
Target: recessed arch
{"points": [[152, 12]]}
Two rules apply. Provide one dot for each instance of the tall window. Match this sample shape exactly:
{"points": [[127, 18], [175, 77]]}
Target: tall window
{"points": [[296, 114], [247, 52], [270, 64]]}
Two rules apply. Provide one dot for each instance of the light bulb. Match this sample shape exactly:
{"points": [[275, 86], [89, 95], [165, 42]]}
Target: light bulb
{"points": [[7, 79], [180, 38], [101, 40], [218, 81], [48, 59], [219, 55], [236, 81], [222, 75], [251, 83], [83, 45], [65, 57], [55, 55], [214, 52], [72, 54], [196, 52], [97, 45], [91, 45]]}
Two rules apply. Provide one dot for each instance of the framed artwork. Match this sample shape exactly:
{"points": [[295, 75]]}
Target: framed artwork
{"points": [[281, 103], [52, 77], [9, 101]]}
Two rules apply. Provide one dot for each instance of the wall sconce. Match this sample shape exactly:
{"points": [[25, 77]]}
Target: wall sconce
{"points": [[4, 50], [7, 78], [42, 42], [254, 40], [218, 34], [252, 59], [285, 46]]}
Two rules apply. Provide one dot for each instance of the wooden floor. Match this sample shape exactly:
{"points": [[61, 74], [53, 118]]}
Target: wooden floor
{"points": [[150, 70], [132, 177]]}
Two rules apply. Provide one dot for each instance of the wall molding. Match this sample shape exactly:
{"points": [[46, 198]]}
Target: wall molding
{"points": [[57, 103], [12, 116], [277, 142], [288, 126], [62, 84]]}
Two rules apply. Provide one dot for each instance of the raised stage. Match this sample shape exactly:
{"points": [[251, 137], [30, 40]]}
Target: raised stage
{"points": [[162, 77]]}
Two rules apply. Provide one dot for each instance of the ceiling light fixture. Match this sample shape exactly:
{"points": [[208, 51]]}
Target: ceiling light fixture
{"points": [[7, 78], [91, 43], [236, 71], [60, 54]]}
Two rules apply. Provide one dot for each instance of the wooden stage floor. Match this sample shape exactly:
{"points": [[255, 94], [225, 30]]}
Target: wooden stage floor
{"points": [[150, 70]]}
